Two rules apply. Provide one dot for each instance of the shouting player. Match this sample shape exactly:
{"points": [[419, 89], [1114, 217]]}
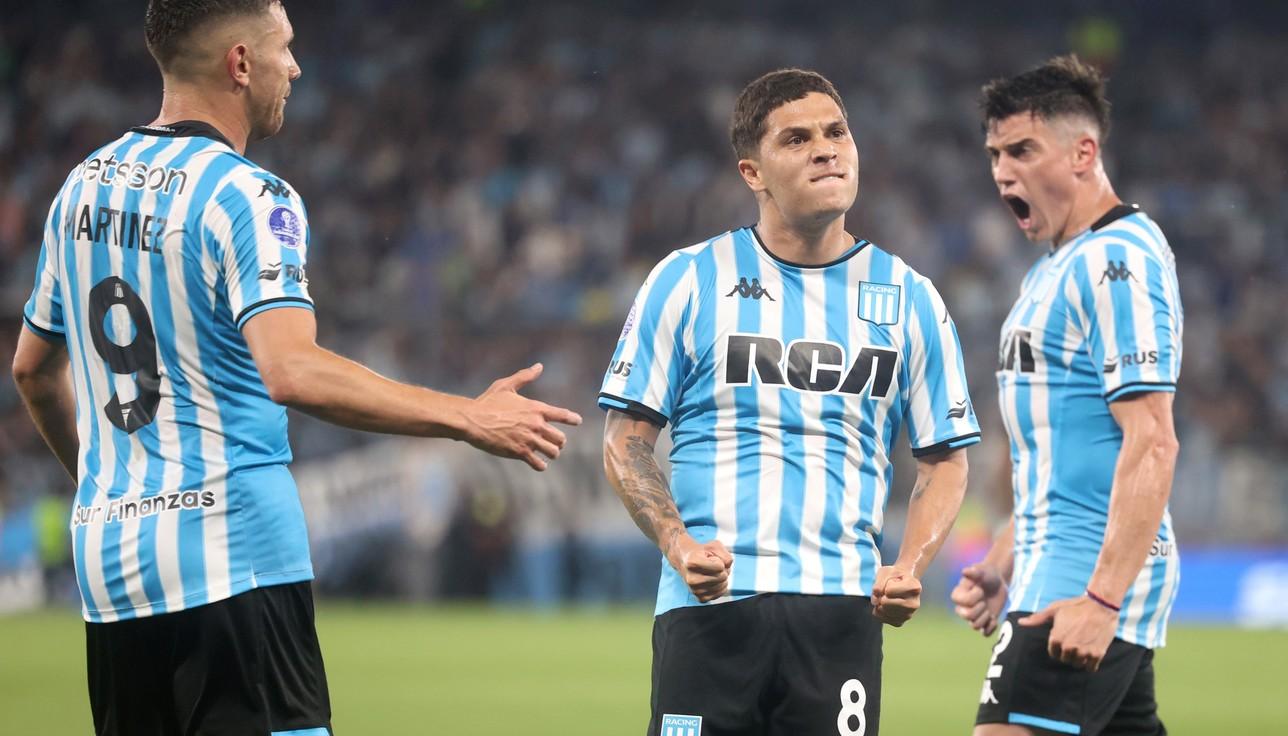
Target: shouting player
{"points": [[786, 357], [170, 322], [1089, 359]]}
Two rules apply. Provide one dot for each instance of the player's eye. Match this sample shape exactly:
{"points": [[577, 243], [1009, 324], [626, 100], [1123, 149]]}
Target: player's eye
{"points": [[795, 140]]}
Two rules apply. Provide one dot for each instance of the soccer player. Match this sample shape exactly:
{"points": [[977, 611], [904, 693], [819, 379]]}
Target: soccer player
{"points": [[1089, 359], [786, 356], [169, 324]]}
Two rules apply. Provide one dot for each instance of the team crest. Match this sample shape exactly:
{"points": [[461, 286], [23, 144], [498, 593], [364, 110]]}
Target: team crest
{"points": [[673, 725], [879, 303]]}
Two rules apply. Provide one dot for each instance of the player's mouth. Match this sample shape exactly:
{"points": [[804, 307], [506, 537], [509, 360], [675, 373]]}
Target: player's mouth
{"points": [[1023, 213], [838, 175]]}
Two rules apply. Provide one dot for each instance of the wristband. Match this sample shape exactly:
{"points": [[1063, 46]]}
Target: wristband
{"points": [[1103, 602]]}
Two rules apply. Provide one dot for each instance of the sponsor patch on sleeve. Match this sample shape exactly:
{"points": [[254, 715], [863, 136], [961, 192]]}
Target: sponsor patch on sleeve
{"points": [[286, 226]]}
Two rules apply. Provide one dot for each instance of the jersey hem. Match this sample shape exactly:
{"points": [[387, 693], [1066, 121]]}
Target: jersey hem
{"points": [[267, 304], [1140, 387], [42, 331], [95, 616], [609, 401], [953, 443]]}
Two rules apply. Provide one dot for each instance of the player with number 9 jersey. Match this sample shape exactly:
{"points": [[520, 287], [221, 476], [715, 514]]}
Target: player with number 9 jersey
{"points": [[158, 247]]}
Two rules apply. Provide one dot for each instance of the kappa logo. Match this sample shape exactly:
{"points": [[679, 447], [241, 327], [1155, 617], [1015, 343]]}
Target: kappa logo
{"points": [[958, 411], [751, 290], [275, 187], [1117, 271], [676, 725]]}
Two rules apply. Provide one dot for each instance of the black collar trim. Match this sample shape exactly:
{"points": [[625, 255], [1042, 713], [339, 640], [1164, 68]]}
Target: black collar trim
{"points": [[858, 247], [183, 129], [1118, 212]]}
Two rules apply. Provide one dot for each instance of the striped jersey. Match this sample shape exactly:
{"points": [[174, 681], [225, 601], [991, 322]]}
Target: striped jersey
{"points": [[785, 387], [1097, 320], [157, 250]]}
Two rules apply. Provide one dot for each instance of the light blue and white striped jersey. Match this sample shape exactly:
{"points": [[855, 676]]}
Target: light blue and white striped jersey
{"points": [[785, 387], [158, 248], [1097, 320]]}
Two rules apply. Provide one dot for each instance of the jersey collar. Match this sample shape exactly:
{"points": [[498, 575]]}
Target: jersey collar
{"points": [[183, 129], [852, 251]]}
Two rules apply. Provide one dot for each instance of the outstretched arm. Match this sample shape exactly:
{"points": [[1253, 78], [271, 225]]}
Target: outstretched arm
{"points": [[632, 469], [302, 375], [41, 373], [936, 499]]}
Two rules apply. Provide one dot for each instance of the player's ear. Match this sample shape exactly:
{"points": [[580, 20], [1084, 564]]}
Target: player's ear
{"points": [[237, 62], [1085, 152], [749, 168]]}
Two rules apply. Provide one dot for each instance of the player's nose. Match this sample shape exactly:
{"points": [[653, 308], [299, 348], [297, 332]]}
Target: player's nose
{"points": [[1003, 174], [824, 153]]}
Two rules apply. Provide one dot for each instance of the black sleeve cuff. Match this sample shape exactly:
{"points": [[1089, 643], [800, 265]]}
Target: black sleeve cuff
{"points": [[634, 408], [1139, 387], [948, 444], [41, 331]]}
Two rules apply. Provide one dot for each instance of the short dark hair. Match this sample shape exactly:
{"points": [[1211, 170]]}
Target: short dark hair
{"points": [[767, 94], [1064, 85], [168, 24]]}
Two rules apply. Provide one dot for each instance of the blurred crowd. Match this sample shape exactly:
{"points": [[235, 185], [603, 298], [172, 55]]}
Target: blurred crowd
{"points": [[489, 182]]}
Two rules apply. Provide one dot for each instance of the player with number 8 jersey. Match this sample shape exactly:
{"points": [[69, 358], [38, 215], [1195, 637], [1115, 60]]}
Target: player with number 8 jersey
{"points": [[786, 357]]}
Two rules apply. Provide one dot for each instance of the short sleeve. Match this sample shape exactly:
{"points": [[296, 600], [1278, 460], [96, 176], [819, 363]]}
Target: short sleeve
{"points": [[646, 374], [43, 313], [1129, 307], [261, 232], [937, 405]]}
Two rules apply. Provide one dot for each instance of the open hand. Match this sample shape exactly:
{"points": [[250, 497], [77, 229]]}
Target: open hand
{"points": [[503, 423]]}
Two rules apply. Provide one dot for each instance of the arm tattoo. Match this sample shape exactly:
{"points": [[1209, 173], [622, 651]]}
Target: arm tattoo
{"points": [[647, 494], [919, 488]]}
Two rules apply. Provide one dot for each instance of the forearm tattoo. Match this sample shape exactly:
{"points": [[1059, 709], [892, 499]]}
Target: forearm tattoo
{"points": [[647, 495]]}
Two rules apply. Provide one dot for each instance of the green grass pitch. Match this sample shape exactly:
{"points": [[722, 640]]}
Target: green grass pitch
{"points": [[466, 671]]}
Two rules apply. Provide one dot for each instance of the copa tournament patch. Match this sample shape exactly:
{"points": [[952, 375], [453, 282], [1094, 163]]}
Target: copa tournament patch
{"points": [[630, 323], [673, 725], [879, 303], [286, 226]]}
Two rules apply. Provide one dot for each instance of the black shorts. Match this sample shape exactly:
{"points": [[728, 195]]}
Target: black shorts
{"points": [[1024, 685], [249, 665], [769, 665]]}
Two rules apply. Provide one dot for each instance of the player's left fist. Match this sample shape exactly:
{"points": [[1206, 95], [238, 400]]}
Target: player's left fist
{"points": [[896, 595], [1081, 631]]}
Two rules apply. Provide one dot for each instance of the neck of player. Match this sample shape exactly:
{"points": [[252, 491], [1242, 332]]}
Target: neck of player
{"points": [[188, 102], [1091, 200], [810, 243]]}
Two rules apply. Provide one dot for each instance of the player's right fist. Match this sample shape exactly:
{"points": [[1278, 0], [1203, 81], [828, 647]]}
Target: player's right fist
{"points": [[980, 597], [704, 567], [896, 595]]}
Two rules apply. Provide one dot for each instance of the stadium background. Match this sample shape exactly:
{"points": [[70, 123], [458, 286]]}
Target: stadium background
{"points": [[488, 184]]}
